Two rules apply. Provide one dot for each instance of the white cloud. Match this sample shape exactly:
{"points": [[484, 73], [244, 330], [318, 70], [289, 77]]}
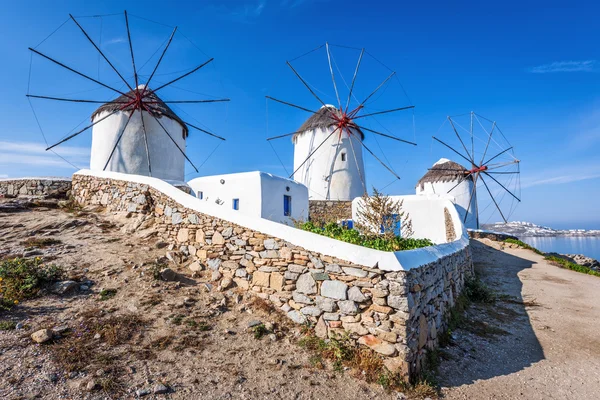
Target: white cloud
{"points": [[3, 176], [34, 154], [116, 40], [565, 66], [557, 180]]}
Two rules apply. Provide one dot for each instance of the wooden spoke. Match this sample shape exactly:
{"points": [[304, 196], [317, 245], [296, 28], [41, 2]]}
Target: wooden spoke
{"points": [[79, 73], [204, 130], [290, 104], [388, 136], [100, 51]]}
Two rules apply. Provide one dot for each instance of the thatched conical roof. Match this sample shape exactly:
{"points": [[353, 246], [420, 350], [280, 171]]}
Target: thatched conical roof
{"points": [[153, 102], [322, 119], [443, 171]]}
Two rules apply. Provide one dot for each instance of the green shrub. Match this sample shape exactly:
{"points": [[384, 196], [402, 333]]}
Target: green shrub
{"points": [[373, 241], [561, 262], [7, 325], [22, 278], [524, 245]]}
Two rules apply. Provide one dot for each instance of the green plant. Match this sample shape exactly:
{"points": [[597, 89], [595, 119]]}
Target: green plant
{"points": [[22, 278], [523, 245], [177, 319], [477, 291], [260, 331], [561, 262], [106, 294], [7, 325], [381, 212], [373, 241]]}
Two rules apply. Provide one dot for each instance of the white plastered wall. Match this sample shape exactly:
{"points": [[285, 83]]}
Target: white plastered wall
{"points": [[426, 213], [130, 156], [260, 194], [460, 196]]}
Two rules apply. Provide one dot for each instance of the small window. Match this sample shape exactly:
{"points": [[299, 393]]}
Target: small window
{"points": [[236, 204], [200, 195], [343, 156], [287, 205]]}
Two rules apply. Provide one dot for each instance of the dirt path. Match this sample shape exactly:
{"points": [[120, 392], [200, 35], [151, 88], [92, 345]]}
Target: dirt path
{"points": [[551, 345]]}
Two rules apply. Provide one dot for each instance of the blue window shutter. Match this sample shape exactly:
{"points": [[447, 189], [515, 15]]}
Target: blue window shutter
{"points": [[287, 205]]}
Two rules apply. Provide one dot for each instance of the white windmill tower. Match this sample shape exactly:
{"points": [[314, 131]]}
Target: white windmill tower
{"points": [[328, 156], [447, 178], [136, 133], [492, 166], [336, 169]]}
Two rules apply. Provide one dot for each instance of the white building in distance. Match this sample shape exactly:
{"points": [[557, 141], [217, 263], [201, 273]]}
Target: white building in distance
{"points": [[131, 155], [449, 179], [336, 170], [255, 193]]}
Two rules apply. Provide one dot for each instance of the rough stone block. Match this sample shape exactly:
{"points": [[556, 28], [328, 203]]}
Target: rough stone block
{"points": [[334, 290]]}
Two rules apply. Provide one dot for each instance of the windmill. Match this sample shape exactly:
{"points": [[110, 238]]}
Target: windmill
{"points": [[136, 132], [492, 172], [328, 146]]}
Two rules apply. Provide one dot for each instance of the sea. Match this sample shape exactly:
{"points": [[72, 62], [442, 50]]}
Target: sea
{"points": [[586, 245]]}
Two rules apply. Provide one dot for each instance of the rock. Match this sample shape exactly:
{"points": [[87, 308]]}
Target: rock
{"points": [[195, 266], [301, 298], [333, 289], [422, 331], [160, 389], [214, 263], [320, 276], [241, 273], [52, 377], [296, 316], [261, 278], [277, 281], [227, 232], [218, 239], [290, 276], [331, 316], [216, 275], [357, 272], [59, 330], [253, 323], [42, 336], [355, 327], [142, 392], [91, 385], [397, 365], [398, 302], [321, 328], [168, 275], [348, 307], [311, 310], [19, 325], [64, 287], [226, 283], [355, 294], [325, 304], [333, 268], [183, 235], [270, 244], [306, 284]]}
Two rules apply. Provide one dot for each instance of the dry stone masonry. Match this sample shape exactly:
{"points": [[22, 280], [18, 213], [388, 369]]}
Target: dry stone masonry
{"points": [[397, 314], [324, 211], [50, 187]]}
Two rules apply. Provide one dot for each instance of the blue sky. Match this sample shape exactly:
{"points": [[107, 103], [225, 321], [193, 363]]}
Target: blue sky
{"points": [[534, 67]]}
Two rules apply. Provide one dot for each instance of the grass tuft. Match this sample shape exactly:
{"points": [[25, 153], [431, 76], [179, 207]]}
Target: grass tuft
{"points": [[106, 294], [561, 262], [523, 245], [7, 325], [40, 242], [23, 278]]}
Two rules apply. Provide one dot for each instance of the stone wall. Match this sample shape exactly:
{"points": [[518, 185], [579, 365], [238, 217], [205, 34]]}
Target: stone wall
{"points": [[397, 314], [324, 211], [496, 236], [48, 187]]}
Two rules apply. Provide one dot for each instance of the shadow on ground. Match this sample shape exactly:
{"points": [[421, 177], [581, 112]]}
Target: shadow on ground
{"points": [[498, 338]]}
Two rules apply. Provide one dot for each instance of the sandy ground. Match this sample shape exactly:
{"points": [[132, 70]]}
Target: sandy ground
{"points": [[539, 341], [221, 360], [551, 347]]}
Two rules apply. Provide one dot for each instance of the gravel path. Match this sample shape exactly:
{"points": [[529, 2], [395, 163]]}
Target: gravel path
{"points": [[551, 347]]}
